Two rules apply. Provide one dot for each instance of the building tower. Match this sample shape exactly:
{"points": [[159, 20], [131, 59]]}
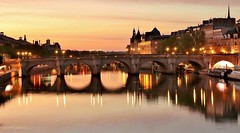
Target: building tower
{"points": [[138, 36], [228, 12], [25, 38], [133, 36]]}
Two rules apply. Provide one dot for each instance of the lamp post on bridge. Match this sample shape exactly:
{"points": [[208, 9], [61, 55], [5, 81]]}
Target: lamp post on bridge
{"points": [[24, 55], [63, 53], [167, 49]]}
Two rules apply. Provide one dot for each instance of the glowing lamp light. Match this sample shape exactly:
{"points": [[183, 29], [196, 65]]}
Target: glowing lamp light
{"points": [[167, 49], [221, 86], [212, 52], [223, 64], [8, 88], [193, 49]]}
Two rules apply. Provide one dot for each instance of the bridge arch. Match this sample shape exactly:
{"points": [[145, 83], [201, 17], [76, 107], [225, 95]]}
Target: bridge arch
{"points": [[223, 64], [45, 66], [73, 68], [126, 65], [196, 64], [160, 65], [150, 64], [233, 58]]}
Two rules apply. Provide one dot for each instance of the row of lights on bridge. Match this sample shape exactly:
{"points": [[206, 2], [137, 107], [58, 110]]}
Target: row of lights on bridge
{"points": [[63, 52], [174, 50], [24, 54]]}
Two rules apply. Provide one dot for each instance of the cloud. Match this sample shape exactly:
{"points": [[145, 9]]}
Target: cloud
{"points": [[141, 18]]}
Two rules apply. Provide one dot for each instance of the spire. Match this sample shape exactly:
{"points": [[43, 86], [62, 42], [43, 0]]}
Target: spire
{"points": [[138, 36], [138, 33], [228, 12], [134, 32]]}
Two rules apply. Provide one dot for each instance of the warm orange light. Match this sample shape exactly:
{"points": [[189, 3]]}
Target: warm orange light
{"points": [[194, 95], [221, 86], [167, 49], [212, 51], [193, 49]]}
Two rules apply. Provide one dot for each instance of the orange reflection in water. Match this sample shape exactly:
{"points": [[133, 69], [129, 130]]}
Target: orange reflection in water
{"points": [[146, 80], [221, 86], [113, 80], [39, 80], [78, 82]]}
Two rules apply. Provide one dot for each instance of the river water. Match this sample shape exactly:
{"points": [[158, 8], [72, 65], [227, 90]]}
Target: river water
{"points": [[119, 103]]}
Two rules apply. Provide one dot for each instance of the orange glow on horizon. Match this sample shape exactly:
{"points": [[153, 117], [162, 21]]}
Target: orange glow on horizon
{"points": [[106, 25]]}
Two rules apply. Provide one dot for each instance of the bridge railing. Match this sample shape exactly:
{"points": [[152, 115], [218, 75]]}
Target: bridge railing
{"points": [[128, 56]]}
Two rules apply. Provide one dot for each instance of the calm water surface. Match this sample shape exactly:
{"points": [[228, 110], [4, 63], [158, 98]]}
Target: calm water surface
{"points": [[117, 102]]}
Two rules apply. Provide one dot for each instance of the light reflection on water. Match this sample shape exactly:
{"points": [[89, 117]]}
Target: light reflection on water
{"points": [[120, 101]]}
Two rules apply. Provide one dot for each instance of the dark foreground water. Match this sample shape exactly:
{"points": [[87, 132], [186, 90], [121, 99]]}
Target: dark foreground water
{"points": [[118, 103]]}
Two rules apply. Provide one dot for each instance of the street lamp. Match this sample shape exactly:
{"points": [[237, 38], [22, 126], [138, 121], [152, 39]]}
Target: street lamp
{"points": [[29, 54], [18, 53], [193, 50], [63, 52], [175, 50], [22, 55], [212, 51], [167, 49]]}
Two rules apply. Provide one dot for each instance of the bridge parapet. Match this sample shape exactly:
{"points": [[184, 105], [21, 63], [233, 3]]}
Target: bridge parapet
{"points": [[133, 62]]}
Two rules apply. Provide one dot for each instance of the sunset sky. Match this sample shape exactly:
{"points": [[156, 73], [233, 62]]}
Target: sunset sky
{"points": [[104, 24]]}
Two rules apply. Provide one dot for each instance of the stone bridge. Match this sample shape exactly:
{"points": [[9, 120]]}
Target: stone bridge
{"points": [[134, 63]]}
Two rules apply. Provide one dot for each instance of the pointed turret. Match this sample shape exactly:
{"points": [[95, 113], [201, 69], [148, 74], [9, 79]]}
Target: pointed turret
{"points": [[133, 36], [138, 36], [228, 12], [134, 32]]}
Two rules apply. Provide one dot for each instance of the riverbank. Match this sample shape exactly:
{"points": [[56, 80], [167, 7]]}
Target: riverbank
{"points": [[8, 75], [225, 73]]}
